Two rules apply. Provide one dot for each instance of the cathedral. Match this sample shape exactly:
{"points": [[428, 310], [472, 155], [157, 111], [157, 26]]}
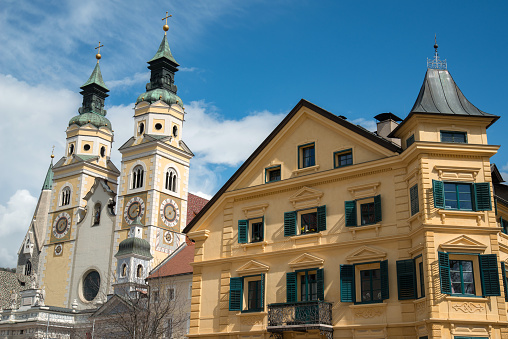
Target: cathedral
{"points": [[97, 225]]}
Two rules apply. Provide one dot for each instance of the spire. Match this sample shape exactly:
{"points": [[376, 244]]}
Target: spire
{"points": [[94, 93], [436, 63], [48, 181], [163, 67]]}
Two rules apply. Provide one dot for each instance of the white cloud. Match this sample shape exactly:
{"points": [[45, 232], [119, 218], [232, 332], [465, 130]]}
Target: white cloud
{"points": [[15, 218], [137, 78], [371, 125], [188, 69]]}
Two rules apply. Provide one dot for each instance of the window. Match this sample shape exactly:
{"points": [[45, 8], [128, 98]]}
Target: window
{"points": [[305, 285], [91, 284], [139, 271], [413, 197], [169, 328], [246, 294], [343, 158], [171, 293], [463, 274], [158, 126], [137, 177], [155, 296], [410, 140], [272, 174], [103, 151], [175, 131], [311, 221], [28, 267], [86, 147], [256, 227], [410, 278], [66, 196], [97, 214], [454, 137], [370, 211], [71, 149], [141, 128], [123, 273], [504, 225], [462, 196], [364, 283], [171, 180], [306, 155], [504, 271]]}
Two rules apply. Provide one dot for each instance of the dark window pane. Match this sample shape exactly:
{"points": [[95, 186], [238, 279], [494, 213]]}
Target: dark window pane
{"points": [[309, 223]]}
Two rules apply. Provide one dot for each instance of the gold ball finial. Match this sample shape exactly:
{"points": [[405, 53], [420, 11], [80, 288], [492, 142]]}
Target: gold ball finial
{"points": [[165, 28], [98, 56], [52, 156]]}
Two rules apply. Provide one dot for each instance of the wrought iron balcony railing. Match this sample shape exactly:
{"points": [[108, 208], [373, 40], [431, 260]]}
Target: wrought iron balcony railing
{"points": [[303, 313]]}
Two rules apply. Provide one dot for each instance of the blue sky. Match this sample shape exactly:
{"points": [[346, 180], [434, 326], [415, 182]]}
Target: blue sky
{"points": [[244, 65]]}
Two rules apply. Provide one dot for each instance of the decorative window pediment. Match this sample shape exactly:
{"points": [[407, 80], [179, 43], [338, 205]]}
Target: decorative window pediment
{"points": [[255, 211], [252, 267], [457, 173], [306, 197], [306, 260], [463, 243], [364, 191], [366, 253]]}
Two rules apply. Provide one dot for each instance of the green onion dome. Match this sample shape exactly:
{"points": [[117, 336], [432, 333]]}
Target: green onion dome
{"points": [[160, 94], [95, 119], [134, 246]]}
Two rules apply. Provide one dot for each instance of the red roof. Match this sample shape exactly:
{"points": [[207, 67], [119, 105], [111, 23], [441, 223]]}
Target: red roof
{"points": [[194, 205], [178, 264]]}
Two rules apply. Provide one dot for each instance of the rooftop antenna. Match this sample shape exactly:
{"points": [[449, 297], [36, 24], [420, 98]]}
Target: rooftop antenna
{"points": [[436, 63]]}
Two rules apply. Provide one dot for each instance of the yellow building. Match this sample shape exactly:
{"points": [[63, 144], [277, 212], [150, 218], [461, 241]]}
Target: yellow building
{"points": [[330, 230]]}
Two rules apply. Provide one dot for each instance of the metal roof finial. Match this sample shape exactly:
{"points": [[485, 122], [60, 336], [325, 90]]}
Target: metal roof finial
{"points": [[436, 63]]}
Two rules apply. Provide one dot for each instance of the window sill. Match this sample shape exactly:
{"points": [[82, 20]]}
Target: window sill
{"points": [[458, 213], [465, 298], [416, 216], [261, 244], [354, 229], [360, 305], [305, 170], [248, 313]]}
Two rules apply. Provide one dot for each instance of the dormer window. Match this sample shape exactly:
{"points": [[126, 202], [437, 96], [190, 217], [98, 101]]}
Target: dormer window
{"points": [[137, 177]]}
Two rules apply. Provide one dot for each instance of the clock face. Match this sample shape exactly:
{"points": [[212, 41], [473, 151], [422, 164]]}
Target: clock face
{"points": [[167, 237], [61, 225], [169, 212], [135, 207]]}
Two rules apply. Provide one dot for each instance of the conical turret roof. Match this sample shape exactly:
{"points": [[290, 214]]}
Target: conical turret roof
{"points": [[164, 52], [48, 181], [96, 78]]}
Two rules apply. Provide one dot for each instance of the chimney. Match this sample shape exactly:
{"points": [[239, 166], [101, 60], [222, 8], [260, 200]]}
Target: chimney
{"points": [[386, 124]]}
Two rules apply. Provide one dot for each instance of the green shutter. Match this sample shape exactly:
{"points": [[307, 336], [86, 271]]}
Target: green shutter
{"points": [[320, 284], [235, 294], [350, 212], [505, 282], [377, 208], [413, 197], [289, 223], [291, 287], [444, 273], [482, 199], [263, 229], [406, 279], [490, 275], [243, 231], [503, 229], [385, 286], [495, 204], [347, 283], [262, 296], [438, 193], [321, 218]]}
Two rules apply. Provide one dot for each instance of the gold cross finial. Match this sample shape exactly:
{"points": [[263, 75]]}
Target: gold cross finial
{"points": [[166, 27], [53, 151], [98, 55]]}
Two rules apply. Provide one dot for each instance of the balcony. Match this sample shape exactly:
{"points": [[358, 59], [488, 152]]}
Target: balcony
{"points": [[300, 317]]}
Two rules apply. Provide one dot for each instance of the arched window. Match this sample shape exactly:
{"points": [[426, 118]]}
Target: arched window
{"points": [[71, 149], [97, 214], [28, 267], [66, 196], [139, 271], [91, 285], [141, 128], [124, 271], [137, 177], [171, 180]]}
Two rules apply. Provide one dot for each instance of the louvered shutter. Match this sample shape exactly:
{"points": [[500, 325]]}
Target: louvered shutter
{"points": [[385, 286], [482, 196], [289, 223], [321, 218], [347, 283], [320, 284], [262, 295], [235, 294], [444, 273], [438, 193], [490, 275], [291, 287], [350, 212], [243, 231], [505, 282], [377, 208], [406, 279]]}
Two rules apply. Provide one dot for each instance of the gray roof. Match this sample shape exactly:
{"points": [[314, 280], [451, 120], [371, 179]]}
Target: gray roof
{"points": [[440, 94]]}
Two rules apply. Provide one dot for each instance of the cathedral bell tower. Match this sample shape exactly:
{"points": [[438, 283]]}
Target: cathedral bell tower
{"points": [[155, 162], [81, 212]]}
